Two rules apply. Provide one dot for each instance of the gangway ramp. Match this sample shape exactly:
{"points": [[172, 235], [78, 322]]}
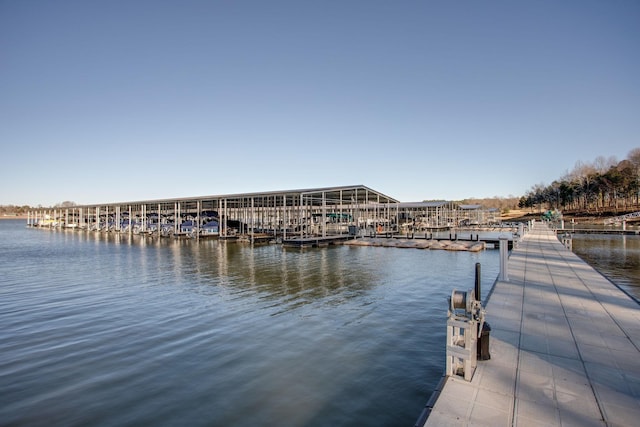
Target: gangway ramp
{"points": [[621, 218]]}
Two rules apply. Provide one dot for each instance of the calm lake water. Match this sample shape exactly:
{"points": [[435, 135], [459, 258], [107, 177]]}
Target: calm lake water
{"points": [[617, 257], [113, 330]]}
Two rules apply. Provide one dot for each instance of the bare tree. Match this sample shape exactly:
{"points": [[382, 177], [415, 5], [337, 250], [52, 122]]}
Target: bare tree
{"points": [[634, 158], [585, 173], [602, 164]]}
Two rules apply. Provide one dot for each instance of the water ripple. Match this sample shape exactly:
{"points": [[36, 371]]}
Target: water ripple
{"points": [[118, 330]]}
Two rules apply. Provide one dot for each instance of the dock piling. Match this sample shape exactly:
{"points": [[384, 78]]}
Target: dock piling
{"points": [[504, 256]]}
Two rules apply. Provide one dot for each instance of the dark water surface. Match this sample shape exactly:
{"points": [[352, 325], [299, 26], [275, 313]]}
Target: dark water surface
{"points": [[615, 256], [114, 330]]}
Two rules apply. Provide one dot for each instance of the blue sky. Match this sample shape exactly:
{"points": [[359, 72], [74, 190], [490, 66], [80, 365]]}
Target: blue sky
{"points": [[105, 101]]}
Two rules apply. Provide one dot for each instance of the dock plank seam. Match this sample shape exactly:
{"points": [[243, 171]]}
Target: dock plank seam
{"points": [[514, 410]]}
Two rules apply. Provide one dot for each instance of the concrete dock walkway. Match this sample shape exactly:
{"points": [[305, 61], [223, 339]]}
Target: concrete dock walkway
{"points": [[565, 348]]}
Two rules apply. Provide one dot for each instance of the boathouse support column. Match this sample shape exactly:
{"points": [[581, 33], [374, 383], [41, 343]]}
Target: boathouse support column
{"points": [[145, 209], [276, 216], [253, 217], [340, 214], [300, 216], [284, 217], [324, 214], [176, 216], [130, 230], [223, 222], [199, 209]]}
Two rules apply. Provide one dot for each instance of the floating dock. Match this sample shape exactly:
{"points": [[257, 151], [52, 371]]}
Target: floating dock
{"points": [[315, 242], [597, 231], [564, 344]]}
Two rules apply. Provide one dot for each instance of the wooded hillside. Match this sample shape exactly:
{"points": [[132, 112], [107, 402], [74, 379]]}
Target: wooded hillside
{"points": [[604, 186]]}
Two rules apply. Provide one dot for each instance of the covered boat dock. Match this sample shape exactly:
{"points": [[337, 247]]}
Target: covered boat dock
{"points": [[297, 217], [301, 213]]}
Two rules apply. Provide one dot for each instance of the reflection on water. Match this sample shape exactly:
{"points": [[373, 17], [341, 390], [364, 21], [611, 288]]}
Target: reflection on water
{"points": [[109, 329], [615, 256]]}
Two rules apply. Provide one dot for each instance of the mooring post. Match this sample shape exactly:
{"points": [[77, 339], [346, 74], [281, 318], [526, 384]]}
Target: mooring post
{"points": [[484, 329], [477, 284], [504, 254]]}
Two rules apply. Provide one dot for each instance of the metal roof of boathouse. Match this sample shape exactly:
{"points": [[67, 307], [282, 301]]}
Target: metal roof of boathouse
{"points": [[354, 194]]}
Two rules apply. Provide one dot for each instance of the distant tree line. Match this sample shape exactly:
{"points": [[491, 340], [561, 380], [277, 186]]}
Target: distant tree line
{"points": [[503, 204], [605, 185], [15, 210], [12, 210]]}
